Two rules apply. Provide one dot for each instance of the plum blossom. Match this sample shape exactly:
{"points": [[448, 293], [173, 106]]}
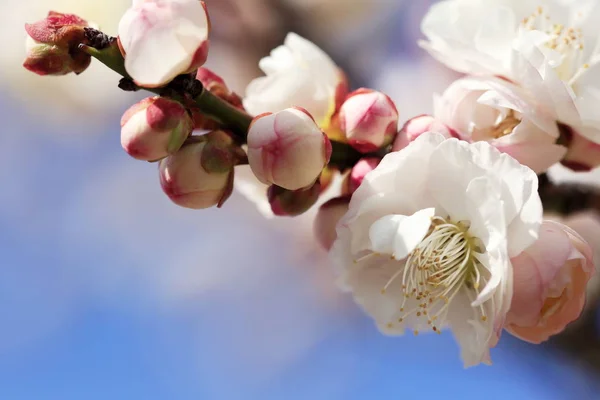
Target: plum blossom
{"points": [[51, 45], [200, 175], [550, 280], [297, 74], [163, 38], [550, 48], [369, 119], [499, 112], [287, 149], [427, 241], [154, 128]]}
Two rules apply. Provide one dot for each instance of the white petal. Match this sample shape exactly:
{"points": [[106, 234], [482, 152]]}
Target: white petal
{"points": [[398, 235], [450, 171]]}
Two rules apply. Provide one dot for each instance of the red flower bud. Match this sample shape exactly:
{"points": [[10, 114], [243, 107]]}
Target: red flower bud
{"points": [[52, 45]]}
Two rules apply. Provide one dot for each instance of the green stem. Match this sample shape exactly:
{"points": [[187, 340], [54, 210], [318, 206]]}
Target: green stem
{"points": [[224, 113], [208, 103], [110, 56]]}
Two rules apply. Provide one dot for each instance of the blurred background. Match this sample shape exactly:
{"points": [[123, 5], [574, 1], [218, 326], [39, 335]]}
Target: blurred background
{"points": [[109, 291]]}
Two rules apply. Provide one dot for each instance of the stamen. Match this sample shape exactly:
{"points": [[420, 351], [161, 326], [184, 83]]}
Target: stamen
{"points": [[568, 42], [442, 266]]}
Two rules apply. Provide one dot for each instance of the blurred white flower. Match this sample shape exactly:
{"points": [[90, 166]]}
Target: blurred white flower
{"points": [[298, 74], [499, 112], [549, 47], [431, 249]]}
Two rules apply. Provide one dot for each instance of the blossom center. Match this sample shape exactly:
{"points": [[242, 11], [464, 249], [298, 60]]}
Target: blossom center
{"points": [[439, 268], [504, 125], [567, 42]]}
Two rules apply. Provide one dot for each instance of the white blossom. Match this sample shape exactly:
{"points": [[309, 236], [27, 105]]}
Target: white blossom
{"points": [[427, 241], [502, 113], [297, 74], [548, 47]]}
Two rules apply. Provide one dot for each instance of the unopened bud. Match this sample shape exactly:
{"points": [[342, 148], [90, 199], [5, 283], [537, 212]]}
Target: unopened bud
{"points": [[287, 149], [291, 203], [52, 45], [327, 219], [358, 173], [369, 119], [582, 155], [194, 177], [417, 126], [154, 128], [161, 39]]}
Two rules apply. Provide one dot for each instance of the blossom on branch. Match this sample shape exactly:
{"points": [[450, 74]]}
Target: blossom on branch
{"points": [[52, 45], [427, 241], [154, 128], [297, 74], [200, 175], [287, 149], [369, 120], [161, 39], [550, 280], [503, 114], [550, 48]]}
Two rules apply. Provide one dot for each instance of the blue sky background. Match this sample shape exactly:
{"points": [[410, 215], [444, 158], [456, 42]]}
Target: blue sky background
{"points": [[108, 291]]}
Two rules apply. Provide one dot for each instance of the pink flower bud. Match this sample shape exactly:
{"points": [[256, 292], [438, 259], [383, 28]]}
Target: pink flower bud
{"points": [[550, 280], [52, 45], [291, 203], [358, 173], [327, 219], [161, 39], [287, 149], [192, 177], [417, 126], [154, 128], [582, 154], [369, 119]]}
